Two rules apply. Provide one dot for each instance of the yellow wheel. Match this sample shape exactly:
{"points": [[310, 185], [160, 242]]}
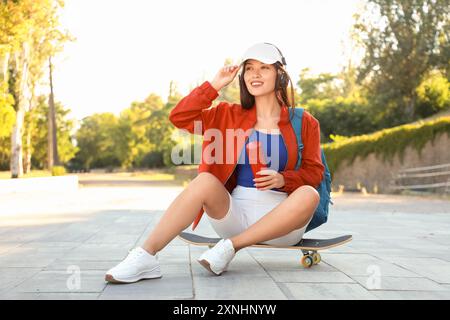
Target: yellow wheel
{"points": [[316, 258], [307, 261]]}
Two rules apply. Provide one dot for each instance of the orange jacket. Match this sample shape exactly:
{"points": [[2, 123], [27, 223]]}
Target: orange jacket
{"points": [[196, 107]]}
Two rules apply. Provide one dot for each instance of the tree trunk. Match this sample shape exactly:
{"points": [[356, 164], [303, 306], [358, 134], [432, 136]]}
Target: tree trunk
{"points": [[27, 155], [410, 108], [16, 145], [21, 63], [5, 64], [53, 158]]}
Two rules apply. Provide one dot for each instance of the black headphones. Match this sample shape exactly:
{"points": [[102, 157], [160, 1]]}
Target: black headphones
{"points": [[284, 80]]}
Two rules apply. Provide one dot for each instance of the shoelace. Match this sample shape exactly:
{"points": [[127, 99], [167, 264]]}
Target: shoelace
{"points": [[223, 249], [133, 255]]}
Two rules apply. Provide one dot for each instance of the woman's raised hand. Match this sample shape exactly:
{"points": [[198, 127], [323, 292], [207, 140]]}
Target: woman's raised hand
{"points": [[225, 75]]}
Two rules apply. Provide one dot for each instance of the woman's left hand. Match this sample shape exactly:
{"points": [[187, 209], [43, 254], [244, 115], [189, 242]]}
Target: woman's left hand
{"points": [[272, 179]]}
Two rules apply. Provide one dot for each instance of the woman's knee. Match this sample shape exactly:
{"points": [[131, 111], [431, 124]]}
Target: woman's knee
{"points": [[310, 192], [204, 181]]}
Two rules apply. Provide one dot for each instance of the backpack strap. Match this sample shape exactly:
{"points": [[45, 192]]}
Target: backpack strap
{"points": [[296, 122]]}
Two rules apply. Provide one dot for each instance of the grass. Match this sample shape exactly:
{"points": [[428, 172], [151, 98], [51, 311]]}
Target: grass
{"points": [[33, 174]]}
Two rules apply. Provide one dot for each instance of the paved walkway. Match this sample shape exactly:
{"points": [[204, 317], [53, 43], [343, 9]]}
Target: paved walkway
{"points": [[58, 246]]}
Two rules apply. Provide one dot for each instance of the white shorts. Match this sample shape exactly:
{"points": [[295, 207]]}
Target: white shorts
{"points": [[248, 205]]}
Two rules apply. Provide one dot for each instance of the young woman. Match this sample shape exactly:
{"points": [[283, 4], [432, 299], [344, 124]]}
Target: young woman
{"points": [[274, 207]]}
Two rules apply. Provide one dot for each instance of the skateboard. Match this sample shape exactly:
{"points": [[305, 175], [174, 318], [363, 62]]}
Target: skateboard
{"points": [[309, 247]]}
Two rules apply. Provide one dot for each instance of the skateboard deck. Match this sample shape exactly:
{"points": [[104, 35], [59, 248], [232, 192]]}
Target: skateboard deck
{"points": [[309, 247]]}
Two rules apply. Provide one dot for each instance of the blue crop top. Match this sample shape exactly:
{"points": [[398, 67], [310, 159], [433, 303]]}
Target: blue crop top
{"points": [[274, 150]]}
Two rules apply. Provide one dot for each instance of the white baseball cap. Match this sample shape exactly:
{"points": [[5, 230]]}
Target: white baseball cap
{"points": [[264, 52]]}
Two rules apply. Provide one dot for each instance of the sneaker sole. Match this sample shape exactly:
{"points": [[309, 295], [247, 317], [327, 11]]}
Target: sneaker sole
{"points": [[207, 266], [143, 276]]}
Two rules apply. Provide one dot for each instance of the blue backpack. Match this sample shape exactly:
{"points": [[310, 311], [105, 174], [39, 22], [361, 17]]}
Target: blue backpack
{"points": [[324, 189]]}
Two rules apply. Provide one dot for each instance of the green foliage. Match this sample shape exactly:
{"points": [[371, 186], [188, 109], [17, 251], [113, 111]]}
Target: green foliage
{"points": [[403, 41], [97, 143], [58, 171], [320, 87], [139, 137], [39, 136], [385, 144], [7, 114], [7, 120], [341, 116], [29, 35], [433, 94], [231, 92]]}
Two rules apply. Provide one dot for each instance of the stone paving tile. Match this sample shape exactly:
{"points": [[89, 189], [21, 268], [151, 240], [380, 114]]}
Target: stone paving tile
{"points": [[8, 246], [11, 277], [285, 259], [432, 268], [100, 251], [176, 281], [307, 275], [242, 265], [49, 296], [244, 279], [400, 284], [172, 285], [28, 260], [74, 234], [232, 286], [327, 291], [43, 248], [27, 234], [34, 258], [412, 295], [63, 282], [361, 265], [64, 264], [111, 237], [19, 296], [68, 296]]}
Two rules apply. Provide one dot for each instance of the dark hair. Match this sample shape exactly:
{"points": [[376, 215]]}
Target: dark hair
{"points": [[281, 83]]}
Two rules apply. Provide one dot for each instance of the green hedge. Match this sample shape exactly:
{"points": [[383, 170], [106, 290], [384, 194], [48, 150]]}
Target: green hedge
{"points": [[385, 144], [58, 171]]}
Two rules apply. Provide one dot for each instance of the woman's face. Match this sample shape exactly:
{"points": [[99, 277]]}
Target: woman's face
{"points": [[259, 77]]}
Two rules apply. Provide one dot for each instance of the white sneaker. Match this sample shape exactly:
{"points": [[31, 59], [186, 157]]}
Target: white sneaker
{"points": [[138, 265], [219, 257]]}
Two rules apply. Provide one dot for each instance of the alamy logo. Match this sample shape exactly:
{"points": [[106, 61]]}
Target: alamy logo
{"points": [[374, 280], [74, 280], [218, 149]]}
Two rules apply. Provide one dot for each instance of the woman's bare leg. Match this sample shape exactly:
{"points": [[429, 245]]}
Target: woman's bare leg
{"points": [[292, 213], [205, 190]]}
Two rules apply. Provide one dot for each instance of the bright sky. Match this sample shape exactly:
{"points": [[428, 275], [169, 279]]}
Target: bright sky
{"points": [[126, 50]]}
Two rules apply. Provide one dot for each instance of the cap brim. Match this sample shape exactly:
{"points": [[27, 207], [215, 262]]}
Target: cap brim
{"points": [[261, 59]]}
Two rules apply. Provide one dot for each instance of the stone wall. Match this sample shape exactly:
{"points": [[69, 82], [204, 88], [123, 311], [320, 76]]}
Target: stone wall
{"points": [[375, 175]]}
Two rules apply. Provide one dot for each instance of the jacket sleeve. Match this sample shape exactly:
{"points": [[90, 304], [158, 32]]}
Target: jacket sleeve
{"points": [[311, 169], [193, 107]]}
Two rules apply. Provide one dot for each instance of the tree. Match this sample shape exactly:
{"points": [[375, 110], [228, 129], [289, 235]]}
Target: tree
{"points": [[39, 133], [322, 86], [29, 34], [97, 142], [433, 94], [403, 41]]}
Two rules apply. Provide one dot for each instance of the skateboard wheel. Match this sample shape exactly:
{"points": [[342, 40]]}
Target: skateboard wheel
{"points": [[307, 261], [316, 258]]}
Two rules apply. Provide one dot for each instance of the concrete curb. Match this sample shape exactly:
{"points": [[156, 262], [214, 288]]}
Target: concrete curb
{"points": [[58, 184]]}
